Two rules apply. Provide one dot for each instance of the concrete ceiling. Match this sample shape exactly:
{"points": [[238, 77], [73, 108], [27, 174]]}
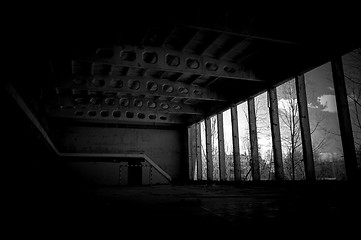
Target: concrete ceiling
{"points": [[173, 65]]}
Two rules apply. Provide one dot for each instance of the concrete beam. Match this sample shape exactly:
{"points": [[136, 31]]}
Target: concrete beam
{"points": [[236, 49], [221, 151], [253, 140], [276, 135], [209, 149], [147, 86], [189, 46], [91, 100], [344, 119], [305, 128], [173, 61], [250, 35], [221, 39], [116, 116], [235, 140]]}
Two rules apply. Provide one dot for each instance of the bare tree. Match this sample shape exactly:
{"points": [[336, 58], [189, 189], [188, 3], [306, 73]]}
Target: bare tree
{"points": [[229, 161], [214, 142], [352, 69], [263, 131], [291, 137], [290, 119]]}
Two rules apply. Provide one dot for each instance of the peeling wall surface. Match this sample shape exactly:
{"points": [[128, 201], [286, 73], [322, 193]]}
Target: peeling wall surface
{"points": [[164, 147]]}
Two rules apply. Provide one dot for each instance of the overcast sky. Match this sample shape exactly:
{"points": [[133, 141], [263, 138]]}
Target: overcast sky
{"points": [[321, 107]]}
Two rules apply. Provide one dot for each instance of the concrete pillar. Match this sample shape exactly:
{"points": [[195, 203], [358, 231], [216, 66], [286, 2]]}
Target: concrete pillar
{"points": [[276, 135], [305, 128], [192, 150], [344, 119], [199, 151], [235, 140], [189, 146], [209, 149], [221, 152], [253, 140]]}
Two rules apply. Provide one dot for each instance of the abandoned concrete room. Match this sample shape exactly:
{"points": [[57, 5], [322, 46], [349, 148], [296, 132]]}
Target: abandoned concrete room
{"points": [[203, 119]]}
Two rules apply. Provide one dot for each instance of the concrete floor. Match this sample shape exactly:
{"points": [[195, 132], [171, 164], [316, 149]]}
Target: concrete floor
{"points": [[186, 210]]}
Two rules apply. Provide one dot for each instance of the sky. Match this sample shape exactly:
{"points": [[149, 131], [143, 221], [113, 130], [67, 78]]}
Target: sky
{"points": [[322, 109], [321, 106]]}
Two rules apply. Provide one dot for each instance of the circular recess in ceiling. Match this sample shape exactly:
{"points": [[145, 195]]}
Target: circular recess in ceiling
{"points": [[120, 95], [150, 57], [109, 101], [104, 53], [168, 88], [79, 80], [127, 55], [92, 93], [192, 63], [172, 60], [66, 107], [229, 69], [211, 66], [152, 86], [129, 114], [116, 113], [177, 107], [133, 84], [79, 100], [151, 104], [95, 100], [110, 94], [162, 118], [152, 116], [79, 113], [164, 105], [124, 102], [183, 90], [98, 82], [138, 103], [104, 113], [79, 92], [197, 92], [115, 83], [141, 115], [92, 113]]}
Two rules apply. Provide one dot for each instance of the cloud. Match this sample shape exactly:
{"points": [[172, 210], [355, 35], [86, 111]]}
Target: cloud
{"points": [[328, 102], [310, 105]]}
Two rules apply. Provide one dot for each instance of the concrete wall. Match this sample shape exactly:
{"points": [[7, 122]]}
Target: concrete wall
{"points": [[167, 148], [95, 173]]}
